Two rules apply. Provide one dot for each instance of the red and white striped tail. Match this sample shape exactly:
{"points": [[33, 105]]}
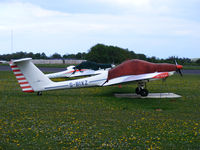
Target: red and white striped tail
{"points": [[25, 86]]}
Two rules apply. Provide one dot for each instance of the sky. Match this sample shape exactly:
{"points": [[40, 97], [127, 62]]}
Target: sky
{"points": [[160, 28]]}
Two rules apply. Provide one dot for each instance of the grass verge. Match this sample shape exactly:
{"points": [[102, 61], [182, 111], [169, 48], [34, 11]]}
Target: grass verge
{"points": [[92, 118]]}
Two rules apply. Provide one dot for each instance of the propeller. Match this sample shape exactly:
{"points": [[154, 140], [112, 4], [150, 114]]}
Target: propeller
{"points": [[178, 68], [179, 71]]}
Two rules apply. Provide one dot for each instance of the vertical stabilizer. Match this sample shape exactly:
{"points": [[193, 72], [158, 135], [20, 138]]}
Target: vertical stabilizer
{"points": [[30, 78]]}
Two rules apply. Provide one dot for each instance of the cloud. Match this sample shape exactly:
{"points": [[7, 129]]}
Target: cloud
{"points": [[21, 15], [26, 16], [136, 3], [38, 28], [147, 7]]}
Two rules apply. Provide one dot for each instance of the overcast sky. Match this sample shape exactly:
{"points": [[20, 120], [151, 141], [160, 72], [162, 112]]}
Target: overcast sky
{"points": [[160, 28]]}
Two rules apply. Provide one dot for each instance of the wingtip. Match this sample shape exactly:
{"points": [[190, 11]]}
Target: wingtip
{"points": [[20, 60]]}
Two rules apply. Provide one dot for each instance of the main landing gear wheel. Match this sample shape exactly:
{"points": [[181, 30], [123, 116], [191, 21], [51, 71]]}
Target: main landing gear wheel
{"points": [[142, 92], [137, 90]]}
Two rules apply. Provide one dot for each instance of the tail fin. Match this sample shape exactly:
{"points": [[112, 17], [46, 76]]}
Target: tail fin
{"points": [[30, 78]]}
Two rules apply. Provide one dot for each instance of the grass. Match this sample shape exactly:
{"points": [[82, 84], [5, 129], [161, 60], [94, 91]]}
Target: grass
{"points": [[191, 67], [92, 118]]}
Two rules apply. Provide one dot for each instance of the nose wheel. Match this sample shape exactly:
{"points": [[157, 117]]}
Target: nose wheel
{"points": [[141, 90]]}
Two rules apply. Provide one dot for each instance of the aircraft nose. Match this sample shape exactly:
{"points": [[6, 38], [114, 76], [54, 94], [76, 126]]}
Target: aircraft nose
{"points": [[179, 66]]}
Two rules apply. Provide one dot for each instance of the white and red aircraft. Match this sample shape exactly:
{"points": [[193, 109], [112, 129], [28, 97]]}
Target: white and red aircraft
{"points": [[70, 72], [31, 79], [86, 68], [3, 62]]}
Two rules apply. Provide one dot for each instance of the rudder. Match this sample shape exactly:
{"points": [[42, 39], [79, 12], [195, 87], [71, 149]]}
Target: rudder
{"points": [[30, 78], [25, 86]]}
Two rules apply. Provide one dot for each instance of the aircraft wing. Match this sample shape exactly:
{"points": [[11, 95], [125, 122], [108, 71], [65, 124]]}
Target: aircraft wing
{"points": [[131, 78], [72, 73], [3, 62]]}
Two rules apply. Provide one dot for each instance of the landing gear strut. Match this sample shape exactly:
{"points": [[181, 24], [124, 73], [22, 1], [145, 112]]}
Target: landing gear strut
{"points": [[141, 90]]}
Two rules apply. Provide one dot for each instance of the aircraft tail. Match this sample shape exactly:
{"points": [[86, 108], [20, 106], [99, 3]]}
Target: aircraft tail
{"points": [[30, 78]]}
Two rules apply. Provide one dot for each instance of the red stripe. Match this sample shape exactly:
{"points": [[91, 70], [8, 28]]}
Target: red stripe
{"points": [[16, 70], [19, 74], [161, 75], [24, 83], [77, 70], [14, 66], [26, 87], [29, 91], [21, 79], [84, 69]]}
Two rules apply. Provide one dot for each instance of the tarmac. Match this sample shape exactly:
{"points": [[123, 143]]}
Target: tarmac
{"points": [[150, 95], [43, 69]]}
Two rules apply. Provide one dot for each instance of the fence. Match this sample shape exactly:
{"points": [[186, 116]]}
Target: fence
{"points": [[57, 61]]}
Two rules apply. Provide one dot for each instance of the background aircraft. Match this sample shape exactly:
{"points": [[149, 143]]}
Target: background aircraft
{"points": [[31, 79], [86, 68], [3, 62]]}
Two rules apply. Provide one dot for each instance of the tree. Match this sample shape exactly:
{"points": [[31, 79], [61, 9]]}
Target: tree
{"points": [[198, 61], [56, 56], [109, 54], [141, 56], [43, 56]]}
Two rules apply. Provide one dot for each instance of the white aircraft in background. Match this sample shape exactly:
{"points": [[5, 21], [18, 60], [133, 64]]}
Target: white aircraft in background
{"points": [[3, 62], [31, 79], [86, 68]]}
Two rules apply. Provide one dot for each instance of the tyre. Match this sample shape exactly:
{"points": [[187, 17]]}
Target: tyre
{"points": [[39, 93], [144, 92], [137, 90]]}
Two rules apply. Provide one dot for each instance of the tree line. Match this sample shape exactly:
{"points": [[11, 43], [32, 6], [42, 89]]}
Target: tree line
{"points": [[101, 53]]}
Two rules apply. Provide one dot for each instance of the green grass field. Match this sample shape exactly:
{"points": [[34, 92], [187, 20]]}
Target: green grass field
{"points": [[191, 67], [92, 118]]}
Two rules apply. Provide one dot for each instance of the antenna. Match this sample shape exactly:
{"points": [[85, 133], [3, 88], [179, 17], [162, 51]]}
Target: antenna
{"points": [[11, 41]]}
